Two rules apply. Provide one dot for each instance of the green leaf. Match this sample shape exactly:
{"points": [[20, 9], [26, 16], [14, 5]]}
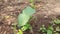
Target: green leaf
{"points": [[22, 19], [51, 28], [49, 32], [57, 21], [28, 11], [25, 27], [20, 32], [43, 29]]}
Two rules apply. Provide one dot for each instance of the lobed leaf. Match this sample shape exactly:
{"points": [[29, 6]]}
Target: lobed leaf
{"points": [[49, 32], [57, 21], [22, 19], [25, 16]]}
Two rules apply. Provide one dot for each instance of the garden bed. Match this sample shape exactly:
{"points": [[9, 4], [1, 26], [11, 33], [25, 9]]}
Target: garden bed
{"points": [[46, 12]]}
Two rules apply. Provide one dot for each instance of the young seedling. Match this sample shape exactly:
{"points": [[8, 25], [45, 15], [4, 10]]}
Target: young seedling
{"points": [[32, 3], [51, 28], [57, 21], [24, 17], [43, 29], [48, 30]]}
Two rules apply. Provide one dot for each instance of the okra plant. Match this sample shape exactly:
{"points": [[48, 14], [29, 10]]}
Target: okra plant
{"points": [[24, 17]]}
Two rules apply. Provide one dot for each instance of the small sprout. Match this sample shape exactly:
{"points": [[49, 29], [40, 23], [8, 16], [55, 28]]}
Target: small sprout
{"points": [[43, 29], [57, 21]]}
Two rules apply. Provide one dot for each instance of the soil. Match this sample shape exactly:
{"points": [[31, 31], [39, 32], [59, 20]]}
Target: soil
{"points": [[45, 11]]}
